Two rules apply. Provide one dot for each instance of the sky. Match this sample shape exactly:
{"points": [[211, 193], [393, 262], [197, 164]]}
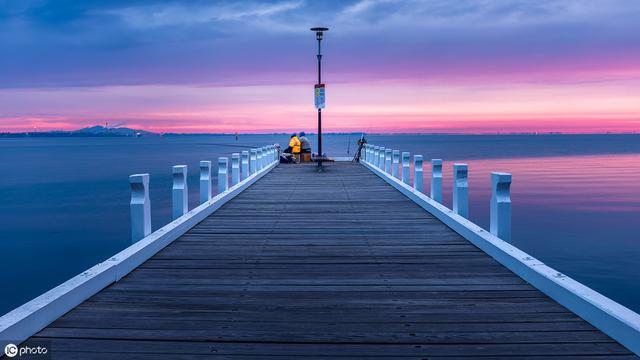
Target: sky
{"points": [[463, 66]]}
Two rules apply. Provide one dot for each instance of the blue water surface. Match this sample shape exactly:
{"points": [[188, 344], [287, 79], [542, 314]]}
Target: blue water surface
{"points": [[64, 202]]}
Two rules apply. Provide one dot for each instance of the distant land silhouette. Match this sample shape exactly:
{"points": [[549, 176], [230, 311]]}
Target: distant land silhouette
{"points": [[93, 131], [104, 131]]}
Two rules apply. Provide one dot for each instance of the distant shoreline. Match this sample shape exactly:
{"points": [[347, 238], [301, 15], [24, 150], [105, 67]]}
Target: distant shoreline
{"points": [[67, 134]]}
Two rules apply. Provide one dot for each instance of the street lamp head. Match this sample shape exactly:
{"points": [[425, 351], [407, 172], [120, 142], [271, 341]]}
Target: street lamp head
{"points": [[318, 31]]}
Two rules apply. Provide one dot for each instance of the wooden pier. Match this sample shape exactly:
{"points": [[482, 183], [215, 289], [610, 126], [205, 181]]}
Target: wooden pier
{"points": [[333, 265]]}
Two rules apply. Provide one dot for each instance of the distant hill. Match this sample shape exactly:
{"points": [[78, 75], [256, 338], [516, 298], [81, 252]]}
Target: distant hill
{"points": [[100, 130], [93, 131]]}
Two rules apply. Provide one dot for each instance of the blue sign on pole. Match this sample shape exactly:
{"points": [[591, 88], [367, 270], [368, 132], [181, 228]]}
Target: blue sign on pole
{"points": [[319, 96]]}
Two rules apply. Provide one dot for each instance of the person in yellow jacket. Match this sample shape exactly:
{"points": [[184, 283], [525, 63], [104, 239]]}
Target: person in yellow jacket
{"points": [[294, 145]]}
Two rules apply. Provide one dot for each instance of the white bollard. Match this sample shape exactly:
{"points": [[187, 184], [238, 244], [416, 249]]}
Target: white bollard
{"points": [[245, 165], [205, 181], [235, 169], [417, 173], [500, 218], [406, 167], [460, 190], [140, 207], [381, 160], [223, 174], [395, 164], [254, 161], [180, 191], [436, 180], [387, 162]]}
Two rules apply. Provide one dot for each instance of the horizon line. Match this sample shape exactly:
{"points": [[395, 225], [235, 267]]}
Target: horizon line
{"points": [[152, 133]]}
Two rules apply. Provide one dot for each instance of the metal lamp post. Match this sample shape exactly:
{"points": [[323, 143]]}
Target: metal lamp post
{"points": [[319, 92]]}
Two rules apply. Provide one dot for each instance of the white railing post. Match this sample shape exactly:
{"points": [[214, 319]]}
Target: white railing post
{"points": [[273, 153], [223, 174], [180, 191], [376, 156], [205, 181], [436, 180], [395, 163], [140, 207], [461, 190], [235, 169], [406, 167], [369, 148], [381, 160], [245, 165], [254, 161], [417, 173], [387, 158], [372, 159], [259, 159], [500, 219], [267, 156]]}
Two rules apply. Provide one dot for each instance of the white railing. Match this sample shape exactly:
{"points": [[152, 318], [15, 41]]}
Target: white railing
{"points": [[617, 321], [19, 324], [140, 203], [388, 161]]}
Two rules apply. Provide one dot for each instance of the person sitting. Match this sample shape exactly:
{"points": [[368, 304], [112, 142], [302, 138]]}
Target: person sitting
{"points": [[294, 147], [305, 144]]}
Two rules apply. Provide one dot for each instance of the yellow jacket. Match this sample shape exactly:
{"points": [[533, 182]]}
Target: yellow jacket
{"points": [[294, 144]]}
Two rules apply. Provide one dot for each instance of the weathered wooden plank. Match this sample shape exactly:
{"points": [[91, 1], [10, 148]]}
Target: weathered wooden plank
{"points": [[301, 349], [98, 310], [334, 333]]}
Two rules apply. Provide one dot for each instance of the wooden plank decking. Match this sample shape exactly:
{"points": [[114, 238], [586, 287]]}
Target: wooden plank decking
{"points": [[333, 265]]}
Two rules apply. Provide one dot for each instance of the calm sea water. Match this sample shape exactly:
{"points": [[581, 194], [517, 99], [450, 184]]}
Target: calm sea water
{"points": [[64, 202]]}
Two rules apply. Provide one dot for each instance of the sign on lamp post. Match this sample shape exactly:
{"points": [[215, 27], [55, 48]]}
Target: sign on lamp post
{"points": [[319, 96]]}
